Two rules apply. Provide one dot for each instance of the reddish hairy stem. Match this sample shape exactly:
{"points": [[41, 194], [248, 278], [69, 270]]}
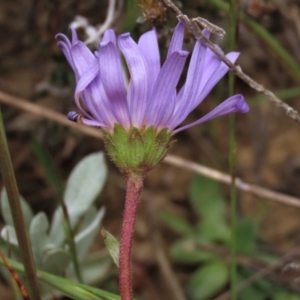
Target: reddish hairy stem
{"points": [[134, 185]]}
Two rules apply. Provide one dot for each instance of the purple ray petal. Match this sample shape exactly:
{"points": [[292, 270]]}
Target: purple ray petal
{"points": [[162, 102], [74, 35], [64, 39], [109, 36], [194, 76], [215, 70], [90, 89], [103, 105], [138, 89], [92, 123], [206, 33], [84, 81], [174, 120], [82, 55], [67, 52], [177, 39], [233, 104], [149, 47], [112, 78], [66, 46]]}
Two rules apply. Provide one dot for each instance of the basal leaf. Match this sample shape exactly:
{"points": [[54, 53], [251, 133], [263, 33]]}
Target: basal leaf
{"points": [[186, 251], [208, 280], [85, 238], [38, 236], [84, 185], [6, 213]]}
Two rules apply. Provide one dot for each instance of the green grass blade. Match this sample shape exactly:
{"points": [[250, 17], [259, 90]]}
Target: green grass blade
{"points": [[132, 13], [10, 184], [233, 35], [71, 289], [46, 162]]}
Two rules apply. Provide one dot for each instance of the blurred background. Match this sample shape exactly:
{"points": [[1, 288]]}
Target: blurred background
{"points": [[181, 246]]}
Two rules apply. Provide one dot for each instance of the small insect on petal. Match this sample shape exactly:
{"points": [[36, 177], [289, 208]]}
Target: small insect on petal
{"points": [[75, 117]]}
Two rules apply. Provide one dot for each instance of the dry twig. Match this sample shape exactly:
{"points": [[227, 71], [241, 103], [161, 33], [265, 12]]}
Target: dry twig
{"points": [[94, 34], [239, 183], [59, 118], [193, 26]]}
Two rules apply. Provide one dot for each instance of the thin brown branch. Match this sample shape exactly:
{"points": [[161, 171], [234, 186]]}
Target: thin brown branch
{"points": [[47, 113], [59, 118], [239, 183], [193, 26]]}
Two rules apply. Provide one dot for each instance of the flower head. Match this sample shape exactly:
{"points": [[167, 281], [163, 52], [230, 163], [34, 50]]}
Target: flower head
{"points": [[151, 101], [151, 98]]}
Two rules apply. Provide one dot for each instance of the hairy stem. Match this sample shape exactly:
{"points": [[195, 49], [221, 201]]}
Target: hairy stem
{"points": [[10, 184], [134, 185]]}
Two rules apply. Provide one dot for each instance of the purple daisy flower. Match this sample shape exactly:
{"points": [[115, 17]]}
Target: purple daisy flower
{"points": [[151, 98], [139, 120]]}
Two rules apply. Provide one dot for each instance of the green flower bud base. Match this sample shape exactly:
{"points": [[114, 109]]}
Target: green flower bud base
{"points": [[137, 151]]}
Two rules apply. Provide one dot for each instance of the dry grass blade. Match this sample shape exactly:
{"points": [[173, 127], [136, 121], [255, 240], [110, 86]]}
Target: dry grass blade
{"points": [[15, 277]]}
